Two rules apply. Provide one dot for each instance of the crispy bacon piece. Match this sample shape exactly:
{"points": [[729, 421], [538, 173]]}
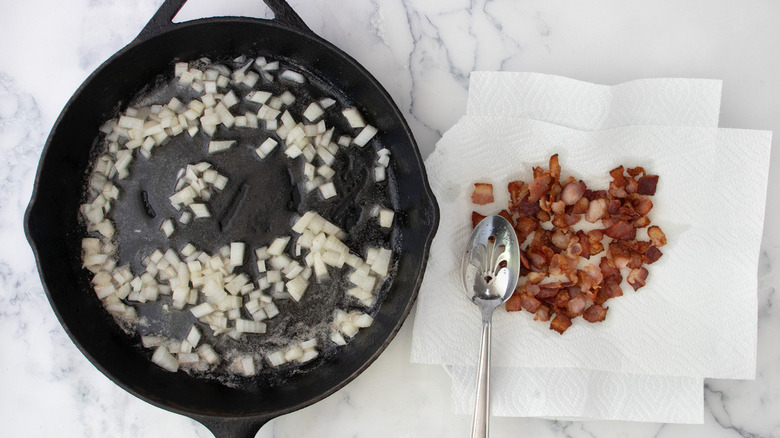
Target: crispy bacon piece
{"points": [[652, 255], [530, 303], [656, 236], [539, 187], [518, 191], [576, 306], [560, 323], [597, 209], [636, 278], [595, 313], [483, 194], [572, 192], [524, 227], [543, 313], [555, 167], [513, 303], [622, 209], [621, 230], [647, 185], [476, 218]]}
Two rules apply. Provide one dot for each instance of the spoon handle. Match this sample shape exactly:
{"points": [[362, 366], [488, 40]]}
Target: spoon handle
{"points": [[481, 422]]}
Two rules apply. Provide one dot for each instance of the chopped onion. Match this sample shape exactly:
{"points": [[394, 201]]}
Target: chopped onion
{"points": [[165, 359], [366, 134], [219, 146], [353, 117]]}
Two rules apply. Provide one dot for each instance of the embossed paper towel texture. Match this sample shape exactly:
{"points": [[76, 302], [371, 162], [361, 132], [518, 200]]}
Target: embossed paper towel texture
{"points": [[692, 102], [581, 393], [591, 107], [697, 314]]}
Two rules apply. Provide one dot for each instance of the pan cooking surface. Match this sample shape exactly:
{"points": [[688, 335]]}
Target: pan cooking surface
{"points": [[262, 199]]}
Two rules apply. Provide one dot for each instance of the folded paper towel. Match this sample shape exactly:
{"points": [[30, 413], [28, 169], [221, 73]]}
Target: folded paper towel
{"points": [[559, 392], [517, 142]]}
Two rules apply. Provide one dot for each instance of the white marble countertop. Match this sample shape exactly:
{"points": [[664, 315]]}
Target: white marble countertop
{"points": [[422, 51]]}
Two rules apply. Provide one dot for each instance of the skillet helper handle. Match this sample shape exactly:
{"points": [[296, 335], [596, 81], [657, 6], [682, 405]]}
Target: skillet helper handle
{"points": [[232, 427], [162, 20]]}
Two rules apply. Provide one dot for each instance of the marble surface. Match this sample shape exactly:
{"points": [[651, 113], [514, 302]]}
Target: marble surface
{"points": [[422, 51]]}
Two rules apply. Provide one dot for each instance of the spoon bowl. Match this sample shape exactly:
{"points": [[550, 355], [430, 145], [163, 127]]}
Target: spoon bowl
{"points": [[490, 267]]}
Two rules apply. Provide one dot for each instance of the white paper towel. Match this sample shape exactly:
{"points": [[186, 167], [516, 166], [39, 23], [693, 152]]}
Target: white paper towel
{"points": [[702, 99], [587, 106], [591, 107]]}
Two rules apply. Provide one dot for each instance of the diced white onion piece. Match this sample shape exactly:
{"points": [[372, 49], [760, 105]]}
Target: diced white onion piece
{"points": [[193, 337], [344, 141], [219, 146], [383, 160], [276, 358], [237, 253], [220, 182], [271, 310], [326, 102], [248, 365], [274, 276], [308, 355], [266, 147], [379, 173], [188, 358], [349, 329], [301, 224], [278, 246], [262, 253], [337, 338], [366, 134], [313, 112], [200, 210], [296, 287], [292, 76], [258, 96], [386, 218], [382, 261], [202, 310], [163, 358], [287, 98], [208, 354], [293, 151], [185, 217], [328, 190], [353, 117], [246, 326], [167, 227], [293, 353]]}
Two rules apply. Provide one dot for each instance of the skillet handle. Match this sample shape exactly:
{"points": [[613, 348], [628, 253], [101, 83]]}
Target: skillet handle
{"points": [[232, 427], [162, 20]]}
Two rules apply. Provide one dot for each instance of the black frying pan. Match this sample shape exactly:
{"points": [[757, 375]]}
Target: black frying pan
{"points": [[55, 234]]}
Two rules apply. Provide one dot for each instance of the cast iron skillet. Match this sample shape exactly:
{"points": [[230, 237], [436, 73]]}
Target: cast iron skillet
{"points": [[54, 232]]}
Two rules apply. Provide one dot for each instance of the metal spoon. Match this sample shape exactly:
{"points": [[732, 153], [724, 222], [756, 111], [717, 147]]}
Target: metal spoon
{"points": [[490, 268]]}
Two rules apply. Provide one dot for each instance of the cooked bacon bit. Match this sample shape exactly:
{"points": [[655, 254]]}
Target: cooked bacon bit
{"points": [[576, 306], [518, 191], [581, 207], [476, 218], [483, 194], [621, 230], [513, 303], [647, 185], [557, 252], [535, 277], [597, 209], [609, 270], [642, 204], [656, 236], [524, 227], [636, 278], [572, 192], [652, 255], [595, 313], [636, 171], [560, 323], [543, 314], [610, 289], [530, 303], [539, 187], [555, 168]]}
